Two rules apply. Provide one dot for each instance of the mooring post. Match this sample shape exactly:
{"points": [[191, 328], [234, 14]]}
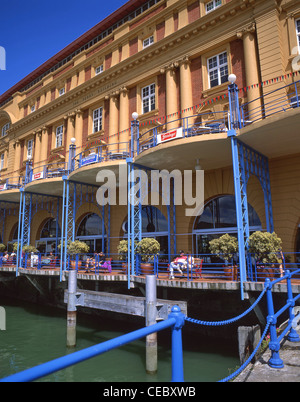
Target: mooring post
{"points": [[151, 313], [72, 311]]}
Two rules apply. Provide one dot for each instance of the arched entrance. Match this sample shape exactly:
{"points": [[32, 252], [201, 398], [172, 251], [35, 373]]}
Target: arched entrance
{"points": [[91, 231], [218, 218]]}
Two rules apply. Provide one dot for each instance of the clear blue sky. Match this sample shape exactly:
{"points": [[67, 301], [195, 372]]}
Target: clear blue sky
{"points": [[32, 31]]}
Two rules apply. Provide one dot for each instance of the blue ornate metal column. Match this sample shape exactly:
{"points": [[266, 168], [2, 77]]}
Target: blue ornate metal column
{"points": [[134, 204], [246, 162]]}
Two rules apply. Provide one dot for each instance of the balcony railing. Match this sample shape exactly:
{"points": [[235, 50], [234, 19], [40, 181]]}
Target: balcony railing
{"points": [[101, 153], [200, 124], [278, 101], [49, 171], [12, 183]]}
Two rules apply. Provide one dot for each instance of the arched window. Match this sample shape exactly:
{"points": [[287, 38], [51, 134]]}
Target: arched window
{"points": [[91, 231], [218, 218], [50, 237], [49, 230], [221, 213], [154, 224]]}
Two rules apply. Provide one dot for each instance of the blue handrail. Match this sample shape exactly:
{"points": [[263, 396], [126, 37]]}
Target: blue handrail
{"points": [[176, 321]]}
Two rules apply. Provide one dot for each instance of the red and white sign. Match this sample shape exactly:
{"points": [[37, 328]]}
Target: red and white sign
{"points": [[2, 187], [38, 176], [170, 135]]}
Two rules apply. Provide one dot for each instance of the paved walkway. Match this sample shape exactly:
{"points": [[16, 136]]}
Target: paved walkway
{"points": [[261, 372]]}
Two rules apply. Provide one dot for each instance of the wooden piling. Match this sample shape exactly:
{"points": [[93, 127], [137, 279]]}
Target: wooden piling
{"points": [[71, 310], [151, 315]]}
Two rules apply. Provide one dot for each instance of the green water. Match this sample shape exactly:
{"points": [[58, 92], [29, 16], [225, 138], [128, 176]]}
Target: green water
{"points": [[37, 334]]}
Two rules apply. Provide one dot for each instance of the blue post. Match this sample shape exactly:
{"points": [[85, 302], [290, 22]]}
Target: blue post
{"points": [[177, 352], [293, 335], [275, 361]]}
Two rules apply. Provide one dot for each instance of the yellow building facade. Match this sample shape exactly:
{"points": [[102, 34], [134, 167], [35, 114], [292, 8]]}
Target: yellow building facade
{"points": [[169, 62]]}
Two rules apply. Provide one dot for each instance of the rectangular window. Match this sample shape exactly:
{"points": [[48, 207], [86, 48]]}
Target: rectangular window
{"points": [[32, 109], [29, 148], [212, 5], [59, 136], [5, 129], [148, 98], [2, 161], [148, 42], [61, 91], [99, 69], [217, 70], [97, 120], [298, 33]]}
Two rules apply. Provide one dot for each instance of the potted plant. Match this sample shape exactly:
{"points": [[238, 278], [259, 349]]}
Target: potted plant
{"points": [[147, 248], [226, 247], [266, 249], [2, 248], [123, 253], [73, 249]]}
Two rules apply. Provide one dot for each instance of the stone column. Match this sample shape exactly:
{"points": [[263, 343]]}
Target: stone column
{"points": [[124, 121], [37, 148], [186, 94], [44, 146], [113, 122], [252, 71], [78, 129], [17, 154], [171, 89]]}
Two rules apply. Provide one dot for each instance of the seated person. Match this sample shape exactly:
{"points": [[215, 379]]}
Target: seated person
{"points": [[90, 263], [104, 264], [177, 263], [189, 262]]}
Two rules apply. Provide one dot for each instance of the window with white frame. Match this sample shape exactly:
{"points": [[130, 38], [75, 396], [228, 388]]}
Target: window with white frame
{"points": [[29, 149], [61, 91], [99, 69], [212, 5], [32, 108], [298, 33], [97, 120], [59, 136], [217, 69], [148, 41], [1, 162], [148, 98], [5, 129]]}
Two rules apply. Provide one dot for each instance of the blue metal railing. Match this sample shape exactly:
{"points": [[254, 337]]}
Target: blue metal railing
{"points": [[190, 126], [12, 183], [202, 267], [49, 171], [277, 101], [101, 153], [176, 321]]}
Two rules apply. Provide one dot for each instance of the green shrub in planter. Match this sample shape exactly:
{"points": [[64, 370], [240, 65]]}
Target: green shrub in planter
{"points": [[29, 249], [2, 248], [225, 247], [148, 248], [266, 247]]}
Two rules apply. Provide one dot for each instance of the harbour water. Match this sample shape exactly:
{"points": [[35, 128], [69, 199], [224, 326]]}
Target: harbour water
{"points": [[36, 334]]}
